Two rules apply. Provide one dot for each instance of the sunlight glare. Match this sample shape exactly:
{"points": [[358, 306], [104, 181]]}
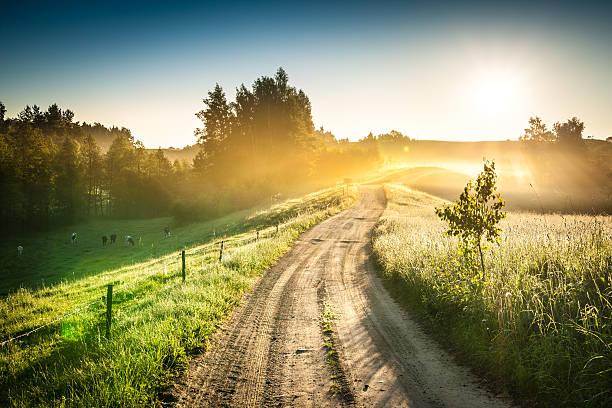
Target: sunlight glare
{"points": [[495, 93]]}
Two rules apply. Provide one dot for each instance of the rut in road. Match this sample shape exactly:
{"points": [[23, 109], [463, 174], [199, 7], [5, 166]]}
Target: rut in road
{"points": [[271, 350]]}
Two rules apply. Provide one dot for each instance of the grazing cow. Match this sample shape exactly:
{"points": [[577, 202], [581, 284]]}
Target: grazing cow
{"points": [[167, 232], [19, 250], [104, 239], [74, 238], [129, 240], [113, 238]]}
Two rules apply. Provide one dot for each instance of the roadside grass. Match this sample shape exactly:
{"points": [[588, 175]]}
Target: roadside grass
{"points": [[339, 383], [541, 323], [157, 318]]}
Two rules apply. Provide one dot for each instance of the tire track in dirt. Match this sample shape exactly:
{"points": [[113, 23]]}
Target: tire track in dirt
{"points": [[227, 371], [271, 350], [234, 371]]}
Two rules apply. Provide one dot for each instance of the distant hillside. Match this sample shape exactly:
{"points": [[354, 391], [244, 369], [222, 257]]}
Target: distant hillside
{"points": [[532, 177], [435, 152]]}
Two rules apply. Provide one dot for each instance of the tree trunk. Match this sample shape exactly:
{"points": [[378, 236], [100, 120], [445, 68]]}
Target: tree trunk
{"points": [[481, 261]]}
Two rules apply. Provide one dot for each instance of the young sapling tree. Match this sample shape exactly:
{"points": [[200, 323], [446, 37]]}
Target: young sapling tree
{"points": [[477, 213]]}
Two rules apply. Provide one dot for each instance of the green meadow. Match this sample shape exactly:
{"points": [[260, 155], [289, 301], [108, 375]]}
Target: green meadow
{"points": [[157, 318]]}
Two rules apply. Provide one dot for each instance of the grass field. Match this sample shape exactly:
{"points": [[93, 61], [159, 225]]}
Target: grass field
{"points": [[157, 319], [542, 321]]}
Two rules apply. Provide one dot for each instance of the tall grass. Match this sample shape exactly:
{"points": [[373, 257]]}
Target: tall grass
{"points": [[542, 322], [156, 321]]}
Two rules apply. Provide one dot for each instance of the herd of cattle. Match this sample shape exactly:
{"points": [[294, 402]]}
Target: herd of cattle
{"points": [[129, 240]]}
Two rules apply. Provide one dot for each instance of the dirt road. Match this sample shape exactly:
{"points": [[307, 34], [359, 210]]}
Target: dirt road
{"points": [[273, 350]]}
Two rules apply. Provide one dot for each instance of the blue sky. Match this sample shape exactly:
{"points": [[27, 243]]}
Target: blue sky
{"points": [[435, 70]]}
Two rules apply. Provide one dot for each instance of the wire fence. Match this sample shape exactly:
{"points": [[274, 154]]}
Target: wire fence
{"points": [[83, 307], [219, 245], [28, 333]]}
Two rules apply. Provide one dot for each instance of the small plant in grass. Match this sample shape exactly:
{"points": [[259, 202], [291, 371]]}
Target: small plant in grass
{"points": [[477, 213]]}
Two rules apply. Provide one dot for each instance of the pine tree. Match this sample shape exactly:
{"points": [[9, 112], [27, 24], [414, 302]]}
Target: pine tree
{"points": [[69, 187], [217, 119], [92, 161]]}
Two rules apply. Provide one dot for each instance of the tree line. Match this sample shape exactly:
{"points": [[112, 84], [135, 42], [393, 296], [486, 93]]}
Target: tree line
{"points": [[55, 170], [568, 133]]}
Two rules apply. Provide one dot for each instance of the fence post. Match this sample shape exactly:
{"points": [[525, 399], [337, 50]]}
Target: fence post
{"points": [[109, 306], [183, 257], [221, 252]]}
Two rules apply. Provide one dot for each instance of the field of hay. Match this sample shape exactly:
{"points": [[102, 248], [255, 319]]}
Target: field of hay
{"points": [[157, 319], [542, 320]]}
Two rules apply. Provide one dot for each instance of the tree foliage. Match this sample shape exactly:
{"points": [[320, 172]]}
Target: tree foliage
{"points": [[217, 119], [569, 132], [265, 133], [477, 213], [537, 132], [69, 186]]}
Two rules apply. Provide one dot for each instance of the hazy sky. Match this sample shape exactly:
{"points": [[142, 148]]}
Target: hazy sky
{"points": [[432, 70]]}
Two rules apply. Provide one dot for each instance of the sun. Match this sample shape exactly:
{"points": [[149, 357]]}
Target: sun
{"points": [[495, 93]]}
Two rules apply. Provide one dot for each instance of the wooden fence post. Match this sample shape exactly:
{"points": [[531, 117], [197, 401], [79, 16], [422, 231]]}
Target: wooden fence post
{"points": [[221, 252], [109, 306], [183, 257]]}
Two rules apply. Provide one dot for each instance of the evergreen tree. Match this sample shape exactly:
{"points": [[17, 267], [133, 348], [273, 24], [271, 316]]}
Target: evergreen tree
{"points": [[33, 165], [92, 161], [69, 187], [117, 163], [2, 117], [217, 119], [159, 165]]}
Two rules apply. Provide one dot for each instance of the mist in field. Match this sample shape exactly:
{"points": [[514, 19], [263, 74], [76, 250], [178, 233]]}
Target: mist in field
{"points": [[534, 176]]}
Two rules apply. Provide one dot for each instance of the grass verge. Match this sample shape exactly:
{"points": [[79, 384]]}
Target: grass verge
{"points": [[339, 383], [157, 318], [541, 323]]}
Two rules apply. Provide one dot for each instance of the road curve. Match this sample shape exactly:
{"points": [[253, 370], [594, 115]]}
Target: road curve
{"points": [[271, 351]]}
